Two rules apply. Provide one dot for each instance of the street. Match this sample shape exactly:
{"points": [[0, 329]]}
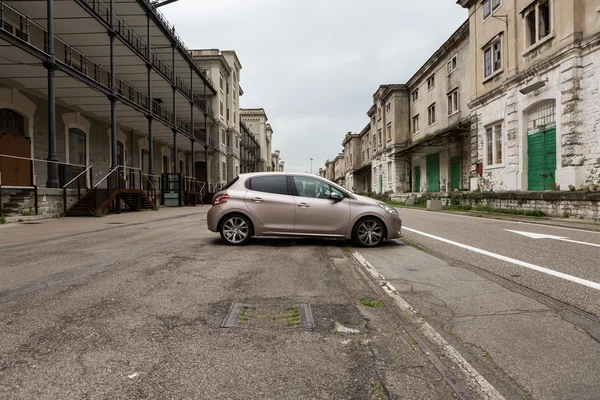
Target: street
{"points": [[134, 306]]}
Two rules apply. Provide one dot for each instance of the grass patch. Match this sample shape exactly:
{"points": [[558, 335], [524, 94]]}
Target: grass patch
{"points": [[370, 302], [156, 206], [450, 330], [100, 213], [2, 220], [493, 210], [413, 244]]}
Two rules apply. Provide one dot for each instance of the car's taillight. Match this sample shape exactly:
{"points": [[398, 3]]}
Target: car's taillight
{"points": [[220, 199]]}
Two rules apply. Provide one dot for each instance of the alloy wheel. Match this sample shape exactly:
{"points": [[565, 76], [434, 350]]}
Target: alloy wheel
{"points": [[370, 233], [235, 230]]}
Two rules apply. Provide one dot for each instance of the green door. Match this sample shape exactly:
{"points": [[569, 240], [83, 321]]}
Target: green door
{"points": [[541, 159], [417, 179], [455, 173], [380, 183], [433, 173]]}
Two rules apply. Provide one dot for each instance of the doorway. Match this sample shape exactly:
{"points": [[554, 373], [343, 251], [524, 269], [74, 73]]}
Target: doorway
{"points": [[13, 142]]}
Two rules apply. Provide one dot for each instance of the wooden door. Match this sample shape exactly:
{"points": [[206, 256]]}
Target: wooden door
{"points": [[13, 142]]}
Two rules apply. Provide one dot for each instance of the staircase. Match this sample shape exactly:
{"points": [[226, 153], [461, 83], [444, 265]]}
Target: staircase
{"points": [[115, 191]]}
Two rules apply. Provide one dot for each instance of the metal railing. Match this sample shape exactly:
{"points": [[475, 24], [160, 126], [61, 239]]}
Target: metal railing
{"points": [[76, 188], [22, 27], [106, 187], [103, 11]]}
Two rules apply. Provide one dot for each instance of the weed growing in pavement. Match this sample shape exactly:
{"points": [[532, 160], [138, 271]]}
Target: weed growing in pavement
{"points": [[156, 207], [370, 302], [100, 213], [451, 330], [413, 244], [2, 219]]}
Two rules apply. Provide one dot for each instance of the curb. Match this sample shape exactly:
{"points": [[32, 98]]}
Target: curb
{"points": [[473, 378]]}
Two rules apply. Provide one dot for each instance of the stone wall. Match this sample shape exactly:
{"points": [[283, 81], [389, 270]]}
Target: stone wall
{"points": [[581, 205]]}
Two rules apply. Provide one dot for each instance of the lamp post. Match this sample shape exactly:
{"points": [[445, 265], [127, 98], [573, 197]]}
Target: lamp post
{"points": [[311, 160]]}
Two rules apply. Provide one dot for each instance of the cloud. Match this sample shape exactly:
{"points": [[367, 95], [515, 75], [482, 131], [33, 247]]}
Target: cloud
{"points": [[315, 64]]}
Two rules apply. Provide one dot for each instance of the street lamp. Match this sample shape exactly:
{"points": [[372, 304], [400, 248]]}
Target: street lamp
{"points": [[311, 165]]}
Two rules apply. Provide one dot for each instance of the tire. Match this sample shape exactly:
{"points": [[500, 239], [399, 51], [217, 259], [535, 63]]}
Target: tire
{"points": [[369, 232], [236, 230]]}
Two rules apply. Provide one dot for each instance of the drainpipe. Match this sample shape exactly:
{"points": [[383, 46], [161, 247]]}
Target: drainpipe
{"points": [[113, 94], [52, 180]]}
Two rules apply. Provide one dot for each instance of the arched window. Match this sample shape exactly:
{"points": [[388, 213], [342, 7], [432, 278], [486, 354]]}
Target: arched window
{"points": [[77, 147], [11, 121]]}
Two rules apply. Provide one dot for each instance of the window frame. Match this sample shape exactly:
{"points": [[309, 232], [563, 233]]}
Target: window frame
{"points": [[452, 64], [388, 129], [415, 127], [496, 130], [431, 82], [495, 66], [431, 117], [453, 104], [388, 107], [415, 95], [534, 9], [248, 184], [491, 8]]}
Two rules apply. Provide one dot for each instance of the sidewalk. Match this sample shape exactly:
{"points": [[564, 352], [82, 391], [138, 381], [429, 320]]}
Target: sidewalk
{"points": [[523, 346]]}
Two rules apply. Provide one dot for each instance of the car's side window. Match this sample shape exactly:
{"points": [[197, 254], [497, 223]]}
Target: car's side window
{"points": [[310, 187], [276, 184]]}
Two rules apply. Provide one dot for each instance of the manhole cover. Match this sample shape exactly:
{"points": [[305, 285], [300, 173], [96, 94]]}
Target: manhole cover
{"points": [[269, 317]]}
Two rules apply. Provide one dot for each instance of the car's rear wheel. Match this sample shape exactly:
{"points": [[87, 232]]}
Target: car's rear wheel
{"points": [[369, 232], [236, 230]]}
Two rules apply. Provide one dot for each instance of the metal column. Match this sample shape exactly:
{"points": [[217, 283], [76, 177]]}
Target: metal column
{"points": [[113, 94], [206, 135], [52, 180], [193, 139], [150, 115], [174, 87]]}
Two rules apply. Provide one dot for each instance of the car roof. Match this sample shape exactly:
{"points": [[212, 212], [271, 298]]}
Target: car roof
{"points": [[251, 174]]}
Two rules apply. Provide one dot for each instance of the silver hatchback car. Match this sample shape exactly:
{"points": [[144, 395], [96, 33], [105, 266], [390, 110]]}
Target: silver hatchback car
{"points": [[298, 205]]}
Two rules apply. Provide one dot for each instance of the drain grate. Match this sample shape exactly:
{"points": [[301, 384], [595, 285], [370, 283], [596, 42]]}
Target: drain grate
{"points": [[269, 317]]}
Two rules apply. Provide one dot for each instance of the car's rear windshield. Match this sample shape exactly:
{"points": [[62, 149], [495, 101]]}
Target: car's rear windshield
{"points": [[231, 183]]}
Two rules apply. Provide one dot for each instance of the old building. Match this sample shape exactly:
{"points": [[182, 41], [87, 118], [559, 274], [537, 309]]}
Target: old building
{"points": [[276, 162], [119, 95], [339, 170], [249, 151], [389, 132], [224, 68], [439, 149], [329, 170], [256, 122], [534, 93], [352, 151]]}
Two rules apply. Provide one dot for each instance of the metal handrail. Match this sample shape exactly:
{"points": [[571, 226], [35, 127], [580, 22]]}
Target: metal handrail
{"points": [[107, 175], [77, 177]]}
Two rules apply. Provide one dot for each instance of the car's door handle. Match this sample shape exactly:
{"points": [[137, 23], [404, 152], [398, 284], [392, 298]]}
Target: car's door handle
{"points": [[306, 205], [257, 199]]}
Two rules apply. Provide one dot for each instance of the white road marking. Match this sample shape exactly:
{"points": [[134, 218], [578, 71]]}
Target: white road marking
{"points": [[467, 371], [505, 221], [593, 285], [543, 236]]}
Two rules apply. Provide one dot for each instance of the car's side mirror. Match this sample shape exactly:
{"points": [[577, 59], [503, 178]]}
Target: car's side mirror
{"points": [[335, 196]]}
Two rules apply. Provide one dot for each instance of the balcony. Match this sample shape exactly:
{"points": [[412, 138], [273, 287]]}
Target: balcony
{"points": [[28, 31], [102, 10]]}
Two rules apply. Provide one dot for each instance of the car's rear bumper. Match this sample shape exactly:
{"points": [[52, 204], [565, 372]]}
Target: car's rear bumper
{"points": [[212, 218]]}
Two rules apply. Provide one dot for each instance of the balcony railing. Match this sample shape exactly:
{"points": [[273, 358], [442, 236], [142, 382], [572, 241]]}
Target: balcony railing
{"points": [[103, 11], [27, 30]]}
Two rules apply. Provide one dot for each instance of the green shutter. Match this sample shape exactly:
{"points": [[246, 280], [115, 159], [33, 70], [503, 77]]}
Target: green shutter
{"points": [[433, 173], [455, 173], [549, 158], [418, 179]]}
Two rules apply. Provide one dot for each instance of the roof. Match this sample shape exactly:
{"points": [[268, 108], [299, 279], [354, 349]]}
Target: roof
{"points": [[253, 111]]}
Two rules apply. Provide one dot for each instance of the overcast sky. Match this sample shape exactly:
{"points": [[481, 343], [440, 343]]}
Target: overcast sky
{"points": [[313, 65]]}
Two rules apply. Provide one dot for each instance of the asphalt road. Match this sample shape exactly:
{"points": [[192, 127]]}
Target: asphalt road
{"points": [[131, 306], [578, 258]]}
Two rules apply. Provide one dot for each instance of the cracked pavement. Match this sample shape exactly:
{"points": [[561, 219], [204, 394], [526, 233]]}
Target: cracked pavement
{"points": [[134, 310], [525, 343]]}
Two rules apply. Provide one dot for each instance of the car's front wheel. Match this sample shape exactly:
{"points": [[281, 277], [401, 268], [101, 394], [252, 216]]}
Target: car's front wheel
{"points": [[369, 232], [236, 230]]}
